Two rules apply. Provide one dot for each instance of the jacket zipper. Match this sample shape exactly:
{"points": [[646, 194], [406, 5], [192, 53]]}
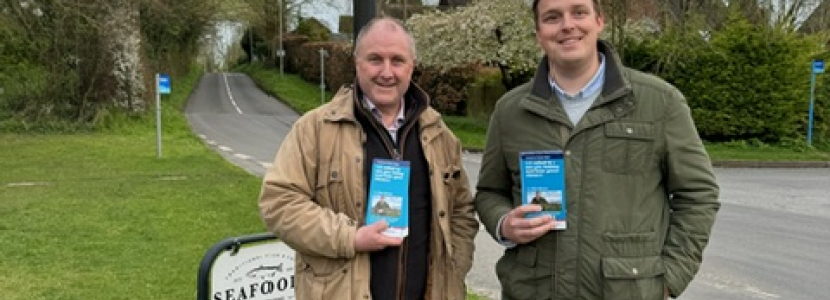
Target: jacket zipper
{"points": [[401, 286]]}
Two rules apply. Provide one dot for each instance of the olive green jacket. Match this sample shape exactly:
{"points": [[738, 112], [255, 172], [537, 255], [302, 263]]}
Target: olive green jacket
{"points": [[641, 195]]}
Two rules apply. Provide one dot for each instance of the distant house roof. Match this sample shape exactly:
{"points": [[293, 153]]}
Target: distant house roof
{"points": [[818, 20], [778, 6], [329, 12]]}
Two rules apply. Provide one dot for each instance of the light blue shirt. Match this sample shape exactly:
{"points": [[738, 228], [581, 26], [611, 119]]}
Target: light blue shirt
{"points": [[576, 105], [393, 129]]}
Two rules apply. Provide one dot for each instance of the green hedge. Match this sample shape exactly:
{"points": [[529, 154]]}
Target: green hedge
{"points": [[745, 82], [822, 101]]}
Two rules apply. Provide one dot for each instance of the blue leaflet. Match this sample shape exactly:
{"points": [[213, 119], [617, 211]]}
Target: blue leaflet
{"points": [[543, 183], [389, 196]]}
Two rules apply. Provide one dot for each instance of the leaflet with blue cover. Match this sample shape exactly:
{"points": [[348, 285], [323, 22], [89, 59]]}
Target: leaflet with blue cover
{"points": [[543, 183], [389, 196]]}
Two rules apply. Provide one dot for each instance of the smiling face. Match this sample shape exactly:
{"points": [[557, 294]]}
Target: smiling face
{"points": [[568, 30], [384, 62]]}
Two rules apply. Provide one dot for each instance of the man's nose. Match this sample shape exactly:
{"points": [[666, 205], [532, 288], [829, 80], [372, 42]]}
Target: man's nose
{"points": [[386, 69], [567, 22]]}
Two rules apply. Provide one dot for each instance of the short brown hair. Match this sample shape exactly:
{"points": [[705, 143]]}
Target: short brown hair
{"points": [[396, 22], [597, 9]]}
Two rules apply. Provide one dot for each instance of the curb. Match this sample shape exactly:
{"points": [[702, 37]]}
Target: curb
{"points": [[770, 164], [740, 163]]}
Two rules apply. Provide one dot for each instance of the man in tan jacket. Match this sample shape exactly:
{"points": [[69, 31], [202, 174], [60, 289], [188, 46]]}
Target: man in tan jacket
{"points": [[315, 197]]}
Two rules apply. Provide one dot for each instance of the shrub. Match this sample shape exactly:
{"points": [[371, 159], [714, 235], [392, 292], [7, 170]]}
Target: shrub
{"points": [[484, 92], [313, 29], [447, 87], [745, 82]]}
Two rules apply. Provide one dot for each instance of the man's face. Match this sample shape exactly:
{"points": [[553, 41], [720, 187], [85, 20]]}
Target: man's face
{"points": [[384, 63], [568, 30]]}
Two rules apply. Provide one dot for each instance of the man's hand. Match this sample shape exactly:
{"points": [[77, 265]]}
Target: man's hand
{"points": [[520, 230], [371, 238]]}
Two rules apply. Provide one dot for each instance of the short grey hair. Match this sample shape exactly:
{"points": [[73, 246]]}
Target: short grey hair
{"points": [[395, 21]]}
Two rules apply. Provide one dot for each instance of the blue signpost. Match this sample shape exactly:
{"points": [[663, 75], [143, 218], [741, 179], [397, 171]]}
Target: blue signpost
{"points": [[162, 87], [164, 84], [817, 68]]}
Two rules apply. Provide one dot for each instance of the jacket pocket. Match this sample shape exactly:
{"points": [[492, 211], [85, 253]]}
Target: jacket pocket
{"points": [[319, 278], [329, 191], [633, 278], [517, 273], [631, 244], [629, 147]]}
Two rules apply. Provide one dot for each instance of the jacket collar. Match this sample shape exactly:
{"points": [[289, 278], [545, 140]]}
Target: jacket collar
{"points": [[342, 105], [616, 84]]}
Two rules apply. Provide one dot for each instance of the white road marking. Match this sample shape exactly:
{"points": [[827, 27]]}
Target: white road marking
{"points": [[22, 184], [735, 286], [230, 95]]}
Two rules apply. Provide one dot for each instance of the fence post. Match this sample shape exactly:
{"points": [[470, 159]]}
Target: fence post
{"points": [[323, 54]]}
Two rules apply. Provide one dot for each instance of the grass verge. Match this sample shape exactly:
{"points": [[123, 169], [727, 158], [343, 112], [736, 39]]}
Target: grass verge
{"points": [[98, 216]]}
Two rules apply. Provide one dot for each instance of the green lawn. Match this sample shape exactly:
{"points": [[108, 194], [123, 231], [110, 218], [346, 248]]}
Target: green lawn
{"points": [[98, 216], [740, 151]]}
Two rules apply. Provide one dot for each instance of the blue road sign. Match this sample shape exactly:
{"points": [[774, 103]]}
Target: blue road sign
{"points": [[818, 66], [164, 84]]}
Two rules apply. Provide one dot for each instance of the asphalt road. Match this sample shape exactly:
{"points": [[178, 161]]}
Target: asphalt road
{"points": [[771, 240]]}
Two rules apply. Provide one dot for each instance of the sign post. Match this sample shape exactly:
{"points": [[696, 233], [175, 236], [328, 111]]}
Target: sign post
{"points": [[323, 54], [162, 87], [817, 68], [281, 51]]}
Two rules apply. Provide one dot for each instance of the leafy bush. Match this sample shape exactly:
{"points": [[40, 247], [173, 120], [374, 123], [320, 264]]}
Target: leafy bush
{"points": [[447, 86], [821, 130], [313, 29], [484, 92], [742, 81]]}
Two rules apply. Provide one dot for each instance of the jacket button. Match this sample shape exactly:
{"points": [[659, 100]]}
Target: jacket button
{"points": [[635, 271], [441, 214], [358, 204]]}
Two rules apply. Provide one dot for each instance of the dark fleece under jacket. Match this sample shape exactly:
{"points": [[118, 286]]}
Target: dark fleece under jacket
{"points": [[401, 272]]}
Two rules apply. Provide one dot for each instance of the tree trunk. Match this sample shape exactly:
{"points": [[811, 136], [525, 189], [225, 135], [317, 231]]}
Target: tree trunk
{"points": [[122, 34]]}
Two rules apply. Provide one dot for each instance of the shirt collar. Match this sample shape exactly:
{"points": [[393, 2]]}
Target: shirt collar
{"points": [[594, 86], [368, 104]]}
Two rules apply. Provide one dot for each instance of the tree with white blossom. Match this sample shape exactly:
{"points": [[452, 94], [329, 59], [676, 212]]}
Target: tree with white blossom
{"points": [[488, 32]]}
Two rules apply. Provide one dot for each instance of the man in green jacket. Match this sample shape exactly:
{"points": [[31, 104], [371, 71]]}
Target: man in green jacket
{"points": [[640, 192]]}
